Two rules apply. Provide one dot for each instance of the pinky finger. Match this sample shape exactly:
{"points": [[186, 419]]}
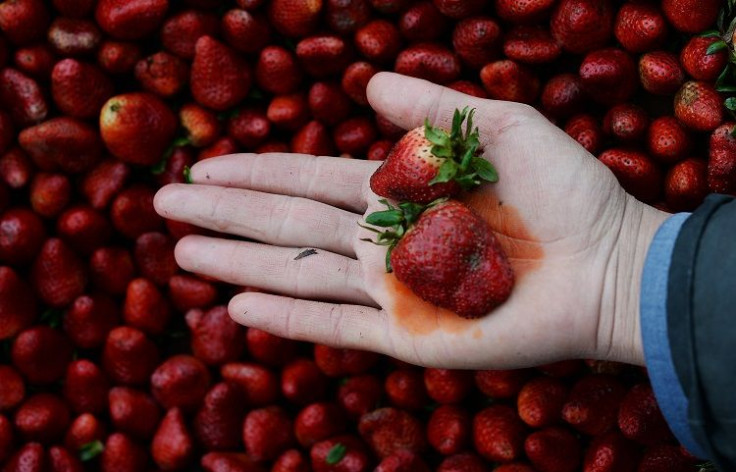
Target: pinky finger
{"points": [[338, 325]]}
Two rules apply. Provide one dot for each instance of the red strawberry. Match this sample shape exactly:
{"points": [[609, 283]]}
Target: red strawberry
{"points": [[23, 21], [531, 45], [122, 454], [388, 430], [323, 55], [180, 32], [337, 362], [145, 307], [405, 389], [181, 381], [22, 97], [698, 63], [43, 417], [448, 430], [129, 357], [76, 145], [664, 457], [85, 387], [130, 19], [229, 462], [422, 22], [12, 388], [137, 127], [582, 25], [402, 461], [586, 130], [344, 17], [458, 9], [510, 81], [89, 320], [245, 32], [295, 18], [328, 103], [477, 41], [660, 73], [6, 438], [154, 257], [340, 454], [355, 135], [498, 433], [267, 432], [359, 395], [73, 37], [16, 169], [118, 57], [722, 160], [563, 95], [429, 61], [640, 419], [30, 457], [132, 212], [219, 420], [466, 462], [691, 16], [36, 61], [83, 228], [292, 460], [220, 78], [74, 8], [501, 383], [317, 422], [201, 125], [190, 291], [313, 138], [379, 150], [162, 73], [62, 460], [58, 276], [285, 111], [21, 235], [609, 76], [610, 452], [553, 449], [389, 7], [667, 140], [593, 403], [378, 41], [7, 132], [50, 193], [302, 382], [133, 412], [215, 337], [522, 12], [181, 158], [270, 349], [640, 27], [172, 446], [18, 307], [635, 171], [104, 181], [250, 127], [626, 122], [277, 71], [355, 81], [540, 401], [698, 106], [84, 430], [448, 386]]}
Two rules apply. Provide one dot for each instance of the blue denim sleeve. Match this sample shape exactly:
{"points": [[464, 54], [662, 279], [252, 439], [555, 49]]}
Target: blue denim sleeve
{"points": [[653, 307]]}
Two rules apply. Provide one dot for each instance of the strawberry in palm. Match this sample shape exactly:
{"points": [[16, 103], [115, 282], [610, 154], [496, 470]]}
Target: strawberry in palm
{"points": [[429, 163]]}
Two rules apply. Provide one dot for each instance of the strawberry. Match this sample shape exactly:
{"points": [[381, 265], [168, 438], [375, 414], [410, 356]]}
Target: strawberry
{"points": [[640, 419], [201, 125], [270, 349], [181, 381], [74, 8], [586, 130], [302, 382], [698, 106], [355, 135], [402, 461], [664, 457], [317, 422], [553, 449], [446, 162], [30, 457], [313, 138], [58, 275], [18, 307], [477, 41], [359, 394], [181, 158], [722, 160], [23, 21], [470, 290], [74, 37], [76, 145], [635, 171], [267, 432], [459, 9], [640, 27], [154, 257], [355, 81], [219, 420], [277, 71], [104, 181], [344, 17], [21, 235], [250, 127], [7, 132], [388, 430], [43, 417], [510, 81], [429, 61], [245, 32], [667, 140], [498, 433], [292, 460], [83, 228], [180, 32], [12, 388], [145, 307], [328, 103], [219, 78], [122, 454], [162, 73], [593, 403], [62, 460], [50, 193], [340, 454], [336, 362], [540, 401], [626, 122], [22, 97], [172, 446], [582, 25], [563, 95], [609, 76], [378, 41], [531, 45], [36, 61], [133, 412], [523, 12], [422, 22], [698, 63], [660, 73], [89, 319], [118, 57], [295, 18], [129, 357], [130, 19], [6, 438], [465, 462], [405, 389], [16, 168], [379, 150], [85, 387], [83, 430], [190, 291], [501, 383], [448, 430], [228, 462], [610, 452], [137, 127], [323, 55], [447, 386], [389, 7], [132, 212], [691, 16], [215, 337]]}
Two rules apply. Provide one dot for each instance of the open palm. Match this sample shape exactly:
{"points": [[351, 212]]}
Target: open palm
{"points": [[569, 229]]}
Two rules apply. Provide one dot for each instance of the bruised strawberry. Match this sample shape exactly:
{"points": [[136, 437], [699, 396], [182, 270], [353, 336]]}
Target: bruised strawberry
{"points": [[30, 457], [104, 181], [85, 387], [36, 61], [267, 432], [129, 357], [553, 449], [145, 307], [302, 382], [43, 417], [563, 95], [162, 73], [636, 172], [640, 419], [388, 430], [250, 127], [22, 97], [122, 454], [64, 143], [23, 21], [295, 18], [317, 422], [664, 457], [699, 106], [609, 76], [540, 401], [132, 212], [313, 138], [465, 462], [722, 160], [50, 193], [582, 25], [531, 45], [172, 446], [219, 77], [182, 381], [74, 8], [190, 291], [58, 275], [133, 412], [130, 19], [610, 452], [323, 55], [137, 127], [477, 41], [660, 73], [586, 130], [181, 31], [698, 63], [626, 122], [292, 460], [422, 22], [270, 349], [510, 81], [523, 12], [89, 320], [85, 429], [640, 27], [449, 430], [359, 395], [219, 420], [378, 41], [18, 307], [405, 389], [74, 37], [498, 433], [691, 16], [118, 57], [667, 140], [12, 388], [429, 61], [340, 454], [244, 31]]}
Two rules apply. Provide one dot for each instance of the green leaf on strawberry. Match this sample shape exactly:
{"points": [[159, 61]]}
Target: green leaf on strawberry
{"points": [[336, 454], [91, 450]]}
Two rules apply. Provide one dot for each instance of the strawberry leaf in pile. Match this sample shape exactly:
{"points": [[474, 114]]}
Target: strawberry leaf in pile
{"points": [[91, 450], [336, 454]]}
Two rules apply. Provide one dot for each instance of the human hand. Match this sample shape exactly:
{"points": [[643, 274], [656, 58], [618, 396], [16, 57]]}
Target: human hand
{"points": [[576, 240]]}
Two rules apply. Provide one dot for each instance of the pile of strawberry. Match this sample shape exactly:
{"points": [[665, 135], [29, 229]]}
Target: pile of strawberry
{"points": [[113, 359]]}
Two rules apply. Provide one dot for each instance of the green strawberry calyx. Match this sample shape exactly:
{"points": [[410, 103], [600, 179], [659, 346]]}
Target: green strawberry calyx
{"points": [[397, 220], [726, 28], [460, 151]]}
